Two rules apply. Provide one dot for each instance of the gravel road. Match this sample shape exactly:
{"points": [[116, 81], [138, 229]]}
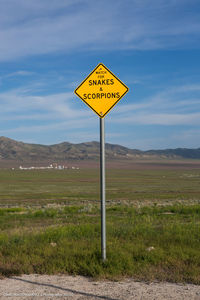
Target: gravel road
{"points": [[78, 287]]}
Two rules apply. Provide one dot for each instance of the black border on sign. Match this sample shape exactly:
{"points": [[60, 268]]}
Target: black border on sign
{"points": [[88, 77]]}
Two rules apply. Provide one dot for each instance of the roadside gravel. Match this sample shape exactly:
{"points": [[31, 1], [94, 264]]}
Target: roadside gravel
{"points": [[78, 287]]}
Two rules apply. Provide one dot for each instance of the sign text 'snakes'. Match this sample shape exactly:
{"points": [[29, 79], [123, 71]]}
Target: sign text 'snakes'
{"points": [[101, 90]]}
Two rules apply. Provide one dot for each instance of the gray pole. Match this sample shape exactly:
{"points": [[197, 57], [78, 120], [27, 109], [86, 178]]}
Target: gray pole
{"points": [[103, 190]]}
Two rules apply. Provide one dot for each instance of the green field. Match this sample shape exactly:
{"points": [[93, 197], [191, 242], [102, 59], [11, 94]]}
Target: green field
{"points": [[50, 223], [75, 187]]}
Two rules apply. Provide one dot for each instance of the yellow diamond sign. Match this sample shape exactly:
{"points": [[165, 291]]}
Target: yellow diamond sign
{"points": [[101, 90]]}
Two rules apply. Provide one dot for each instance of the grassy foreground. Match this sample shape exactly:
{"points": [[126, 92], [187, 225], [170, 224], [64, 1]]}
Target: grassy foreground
{"points": [[151, 243]]}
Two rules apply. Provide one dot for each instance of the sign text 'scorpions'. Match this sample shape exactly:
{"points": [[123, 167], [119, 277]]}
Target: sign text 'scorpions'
{"points": [[101, 90]]}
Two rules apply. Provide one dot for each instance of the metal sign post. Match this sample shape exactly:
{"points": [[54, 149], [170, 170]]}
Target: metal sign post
{"points": [[101, 91], [103, 190]]}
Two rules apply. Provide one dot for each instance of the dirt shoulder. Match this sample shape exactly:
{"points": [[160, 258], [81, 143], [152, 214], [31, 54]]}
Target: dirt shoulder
{"points": [[78, 287]]}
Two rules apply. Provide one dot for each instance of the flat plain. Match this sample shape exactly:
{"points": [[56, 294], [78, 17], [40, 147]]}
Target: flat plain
{"points": [[50, 221]]}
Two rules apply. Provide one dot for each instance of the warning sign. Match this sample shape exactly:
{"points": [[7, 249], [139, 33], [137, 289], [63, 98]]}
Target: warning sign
{"points": [[101, 90]]}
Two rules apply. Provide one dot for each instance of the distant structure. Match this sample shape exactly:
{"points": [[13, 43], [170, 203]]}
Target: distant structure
{"points": [[51, 166], [36, 168]]}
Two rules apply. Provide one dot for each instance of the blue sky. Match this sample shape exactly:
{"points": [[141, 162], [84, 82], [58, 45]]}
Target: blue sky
{"points": [[47, 47]]}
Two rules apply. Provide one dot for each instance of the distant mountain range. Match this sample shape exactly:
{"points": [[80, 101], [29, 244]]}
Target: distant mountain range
{"points": [[19, 151]]}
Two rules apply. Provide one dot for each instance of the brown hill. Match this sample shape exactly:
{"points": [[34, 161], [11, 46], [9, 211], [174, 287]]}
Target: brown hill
{"points": [[19, 151], [14, 150]]}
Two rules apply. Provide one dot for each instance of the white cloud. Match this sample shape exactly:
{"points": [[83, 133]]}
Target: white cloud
{"points": [[162, 119], [164, 108], [44, 118], [172, 106], [54, 126], [20, 73], [19, 104], [41, 27], [22, 113]]}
